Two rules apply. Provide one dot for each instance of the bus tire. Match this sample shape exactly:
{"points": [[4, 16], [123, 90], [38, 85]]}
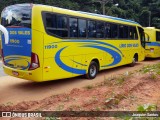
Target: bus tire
{"points": [[92, 70], [134, 60]]}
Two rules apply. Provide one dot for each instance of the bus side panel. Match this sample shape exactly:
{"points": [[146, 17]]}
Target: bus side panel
{"points": [[83, 55], [37, 48], [122, 53], [80, 63], [136, 48], [57, 63], [37, 22], [52, 71], [141, 54]]}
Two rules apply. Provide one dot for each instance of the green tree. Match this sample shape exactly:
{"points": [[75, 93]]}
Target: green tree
{"points": [[141, 11]]}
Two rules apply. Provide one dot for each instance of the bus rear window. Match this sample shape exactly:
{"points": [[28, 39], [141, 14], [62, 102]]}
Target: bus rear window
{"points": [[17, 16], [157, 36]]}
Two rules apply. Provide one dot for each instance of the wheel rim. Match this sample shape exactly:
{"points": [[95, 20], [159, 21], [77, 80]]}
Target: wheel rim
{"points": [[93, 70], [134, 60]]}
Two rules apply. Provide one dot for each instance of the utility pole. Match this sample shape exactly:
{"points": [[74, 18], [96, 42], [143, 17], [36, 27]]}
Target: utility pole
{"points": [[103, 7], [103, 3], [149, 18]]}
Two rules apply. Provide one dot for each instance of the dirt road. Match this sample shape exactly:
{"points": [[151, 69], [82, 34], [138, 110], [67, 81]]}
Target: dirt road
{"points": [[14, 90]]}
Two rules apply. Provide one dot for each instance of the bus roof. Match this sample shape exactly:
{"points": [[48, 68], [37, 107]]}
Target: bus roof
{"points": [[87, 14], [151, 28], [110, 17]]}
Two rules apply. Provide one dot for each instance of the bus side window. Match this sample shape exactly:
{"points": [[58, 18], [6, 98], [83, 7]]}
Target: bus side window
{"points": [[62, 29], [107, 30], [73, 24], [133, 33], [123, 32], [51, 20], [114, 31], [56, 24], [91, 29], [157, 36], [100, 30], [82, 28], [61, 22]]}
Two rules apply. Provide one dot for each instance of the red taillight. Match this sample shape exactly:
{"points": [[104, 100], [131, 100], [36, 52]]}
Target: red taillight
{"points": [[152, 49], [2, 55], [34, 62]]}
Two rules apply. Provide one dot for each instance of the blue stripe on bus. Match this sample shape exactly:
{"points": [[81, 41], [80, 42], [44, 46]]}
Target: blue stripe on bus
{"points": [[116, 56], [90, 41], [17, 58], [153, 44], [64, 66]]}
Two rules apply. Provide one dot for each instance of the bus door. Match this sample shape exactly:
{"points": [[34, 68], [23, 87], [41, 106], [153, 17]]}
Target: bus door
{"points": [[142, 37]]}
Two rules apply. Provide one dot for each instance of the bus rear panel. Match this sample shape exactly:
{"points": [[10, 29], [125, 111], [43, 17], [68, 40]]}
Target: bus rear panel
{"points": [[152, 49], [18, 58]]}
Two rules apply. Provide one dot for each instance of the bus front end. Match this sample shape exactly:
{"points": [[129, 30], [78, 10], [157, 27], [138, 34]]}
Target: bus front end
{"points": [[18, 58]]}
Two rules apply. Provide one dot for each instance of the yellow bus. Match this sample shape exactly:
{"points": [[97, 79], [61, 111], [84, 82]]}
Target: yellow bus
{"points": [[50, 43], [152, 49]]}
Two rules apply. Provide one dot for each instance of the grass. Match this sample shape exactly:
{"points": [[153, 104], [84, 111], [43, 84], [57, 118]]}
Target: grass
{"points": [[151, 69], [153, 76], [132, 98], [88, 87], [143, 108], [120, 80], [60, 107], [94, 98], [98, 108], [109, 81], [74, 108], [127, 75], [52, 118], [114, 100], [147, 107], [8, 104]]}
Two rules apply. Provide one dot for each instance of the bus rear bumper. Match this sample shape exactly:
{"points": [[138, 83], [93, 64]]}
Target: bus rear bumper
{"points": [[33, 75], [152, 54]]}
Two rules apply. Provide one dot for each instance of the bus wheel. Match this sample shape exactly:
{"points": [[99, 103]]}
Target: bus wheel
{"points": [[134, 60], [92, 70]]}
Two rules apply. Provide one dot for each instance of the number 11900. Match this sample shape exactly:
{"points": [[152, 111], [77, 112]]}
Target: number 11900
{"points": [[50, 46]]}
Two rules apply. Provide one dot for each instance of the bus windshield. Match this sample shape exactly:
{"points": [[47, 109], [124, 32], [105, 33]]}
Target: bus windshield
{"points": [[17, 16]]}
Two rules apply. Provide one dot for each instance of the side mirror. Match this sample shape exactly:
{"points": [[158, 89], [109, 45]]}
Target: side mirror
{"points": [[147, 38], [6, 34]]}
